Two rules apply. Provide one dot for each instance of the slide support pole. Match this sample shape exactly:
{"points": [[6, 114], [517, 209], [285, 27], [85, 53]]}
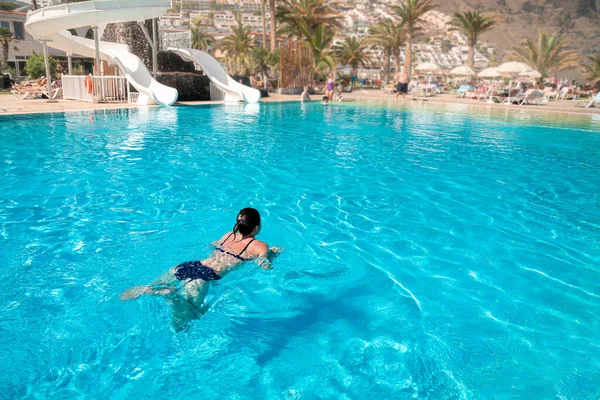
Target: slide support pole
{"points": [[154, 49], [48, 76], [97, 45]]}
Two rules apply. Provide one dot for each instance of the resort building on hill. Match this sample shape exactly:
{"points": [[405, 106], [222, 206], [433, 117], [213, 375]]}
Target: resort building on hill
{"points": [[24, 44]]}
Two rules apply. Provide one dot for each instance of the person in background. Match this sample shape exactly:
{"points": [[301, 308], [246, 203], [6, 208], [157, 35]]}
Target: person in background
{"points": [[329, 88], [304, 96], [401, 81]]}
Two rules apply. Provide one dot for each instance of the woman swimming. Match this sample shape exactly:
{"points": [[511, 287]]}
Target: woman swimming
{"points": [[193, 277]]}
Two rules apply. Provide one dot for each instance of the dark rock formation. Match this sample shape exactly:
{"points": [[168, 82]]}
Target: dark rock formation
{"points": [[191, 86], [131, 34]]}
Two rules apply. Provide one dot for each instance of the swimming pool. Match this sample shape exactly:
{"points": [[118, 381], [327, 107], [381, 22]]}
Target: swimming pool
{"points": [[431, 252]]}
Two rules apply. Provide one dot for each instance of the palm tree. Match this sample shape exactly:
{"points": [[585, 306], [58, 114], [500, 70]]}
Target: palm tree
{"points": [[472, 24], [547, 55], [273, 24], [319, 41], [411, 12], [389, 35], [301, 18], [352, 51], [6, 37], [264, 21], [260, 62], [593, 71], [237, 48], [202, 40]]}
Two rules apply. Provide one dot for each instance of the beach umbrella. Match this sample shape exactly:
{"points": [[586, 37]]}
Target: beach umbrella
{"points": [[513, 67], [489, 73], [531, 74], [463, 70], [428, 67]]}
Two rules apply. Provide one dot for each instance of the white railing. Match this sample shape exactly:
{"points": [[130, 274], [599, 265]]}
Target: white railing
{"points": [[133, 97], [105, 89], [74, 89]]}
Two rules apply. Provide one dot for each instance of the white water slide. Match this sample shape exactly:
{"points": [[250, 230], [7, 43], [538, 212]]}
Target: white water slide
{"points": [[234, 91], [51, 24]]}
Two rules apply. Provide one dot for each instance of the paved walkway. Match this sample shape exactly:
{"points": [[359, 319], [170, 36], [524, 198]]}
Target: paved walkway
{"points": [[10, 105]]}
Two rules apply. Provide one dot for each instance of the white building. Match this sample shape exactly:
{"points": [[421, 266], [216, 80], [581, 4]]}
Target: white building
{"points": [[171, 19], [24, 44], [175, 38]]}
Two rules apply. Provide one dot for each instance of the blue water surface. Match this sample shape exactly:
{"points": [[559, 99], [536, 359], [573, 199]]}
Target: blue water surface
{"points": [[431, 252]]}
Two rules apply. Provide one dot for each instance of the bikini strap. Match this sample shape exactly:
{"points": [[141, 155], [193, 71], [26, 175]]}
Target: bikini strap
{"points": [[226, 239], [241, 252]]}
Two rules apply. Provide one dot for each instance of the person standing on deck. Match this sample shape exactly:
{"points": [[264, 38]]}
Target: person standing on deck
{"points": [[401, 81]]}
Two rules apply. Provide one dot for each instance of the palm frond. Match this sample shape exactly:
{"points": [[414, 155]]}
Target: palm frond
{"points": [[549, 54]]}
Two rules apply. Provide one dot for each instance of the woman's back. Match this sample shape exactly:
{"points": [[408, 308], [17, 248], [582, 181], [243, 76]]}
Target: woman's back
{"points": [[233, 249]]}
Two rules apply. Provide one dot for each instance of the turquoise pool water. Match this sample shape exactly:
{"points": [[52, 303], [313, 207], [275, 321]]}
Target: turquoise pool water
{"points": [[431, 252]]}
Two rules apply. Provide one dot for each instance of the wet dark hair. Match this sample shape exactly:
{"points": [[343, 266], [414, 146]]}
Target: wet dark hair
{"points": [[247, 220]]}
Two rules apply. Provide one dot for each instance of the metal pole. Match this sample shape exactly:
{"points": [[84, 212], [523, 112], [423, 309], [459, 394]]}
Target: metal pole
{"points": [[48, 76], [70, 62], [154, 49], [97, 44]]}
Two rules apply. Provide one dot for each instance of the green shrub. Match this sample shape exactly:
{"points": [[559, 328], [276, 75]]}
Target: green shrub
{"points": [[10, 70], [78, 70], [35, 67], [8, 6]]}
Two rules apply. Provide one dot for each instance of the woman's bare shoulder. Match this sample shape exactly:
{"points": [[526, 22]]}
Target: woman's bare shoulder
{"points": [[225, 237], [259, 248]]}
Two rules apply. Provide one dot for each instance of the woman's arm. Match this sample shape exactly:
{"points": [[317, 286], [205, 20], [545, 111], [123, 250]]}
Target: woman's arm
{"points": [[266, 261]]}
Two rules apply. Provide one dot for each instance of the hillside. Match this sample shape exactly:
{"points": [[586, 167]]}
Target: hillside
{"points": [[580, 19]]}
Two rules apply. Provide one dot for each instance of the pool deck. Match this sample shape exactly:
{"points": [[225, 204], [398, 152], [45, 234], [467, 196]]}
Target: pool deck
{"points": [[10, 105]]}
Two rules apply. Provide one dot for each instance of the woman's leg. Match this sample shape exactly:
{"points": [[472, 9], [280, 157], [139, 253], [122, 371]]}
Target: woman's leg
{"points": [[187, 304], [161, 286]]}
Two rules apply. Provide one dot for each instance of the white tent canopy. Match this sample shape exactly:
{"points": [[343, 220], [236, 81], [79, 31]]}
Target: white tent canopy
{"points": [[463, 70], [514, 67], [531, 74], [428, 67], [489, 73]]}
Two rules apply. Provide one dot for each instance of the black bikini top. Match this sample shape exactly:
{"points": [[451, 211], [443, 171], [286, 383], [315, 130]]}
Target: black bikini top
{"points": [[238, 256]]}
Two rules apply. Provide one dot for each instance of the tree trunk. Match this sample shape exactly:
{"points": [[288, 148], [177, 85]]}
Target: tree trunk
{"points": [[397, 60], [264, 22], [408, 59], [273, 24], [388, 61], [4, 59], [264, 79], [471, 55]]}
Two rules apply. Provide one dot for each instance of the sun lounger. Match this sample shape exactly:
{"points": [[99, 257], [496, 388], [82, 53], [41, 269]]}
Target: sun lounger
{"points": [[515, 98], [421, 91], [462, 90], [551, 96], [587, 103], [34, 90], [568, 94], [532, 96], [28, 93], [56, 93], [390, 88]]}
